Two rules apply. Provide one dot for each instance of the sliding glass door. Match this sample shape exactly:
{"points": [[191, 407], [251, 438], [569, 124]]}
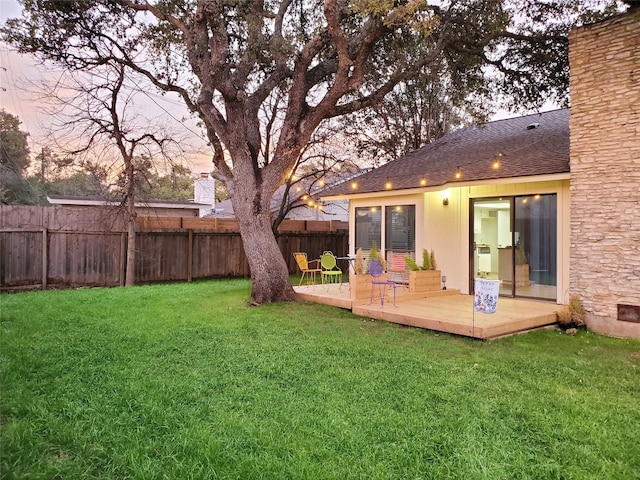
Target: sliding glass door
{"points": [[514, 240], [535, 235]]}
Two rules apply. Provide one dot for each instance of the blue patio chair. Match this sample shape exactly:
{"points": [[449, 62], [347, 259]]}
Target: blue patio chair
{"points": [[375, 270], [330, 271]]}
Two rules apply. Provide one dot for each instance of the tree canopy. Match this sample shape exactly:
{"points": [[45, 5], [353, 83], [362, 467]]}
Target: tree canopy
{"points": [[229, 59], [14, 159], [14, 148]]}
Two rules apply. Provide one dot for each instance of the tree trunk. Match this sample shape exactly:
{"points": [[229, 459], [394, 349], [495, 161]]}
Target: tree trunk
{"points": [[130, 275], [269, 272]]}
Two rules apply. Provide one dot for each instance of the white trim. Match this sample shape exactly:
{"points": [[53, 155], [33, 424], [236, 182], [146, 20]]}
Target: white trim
{"points": [[111, 203]]}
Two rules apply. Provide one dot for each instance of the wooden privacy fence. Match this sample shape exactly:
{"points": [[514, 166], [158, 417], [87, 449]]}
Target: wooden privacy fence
{"points": [[55, 258], [48, 247]]}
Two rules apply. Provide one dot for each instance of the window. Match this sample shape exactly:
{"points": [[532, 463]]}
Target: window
{"points": [[368, 227], [400, 229]]}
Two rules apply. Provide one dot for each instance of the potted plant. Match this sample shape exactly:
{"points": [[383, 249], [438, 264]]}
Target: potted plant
{"points": [[425, 277]]}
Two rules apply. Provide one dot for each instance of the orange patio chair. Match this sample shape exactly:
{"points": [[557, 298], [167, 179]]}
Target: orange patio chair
{"points": [[307, 267], [398, 270]]}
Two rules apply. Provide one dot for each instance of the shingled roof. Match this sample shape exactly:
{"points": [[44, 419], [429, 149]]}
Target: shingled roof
{"points": [[524, 146]]}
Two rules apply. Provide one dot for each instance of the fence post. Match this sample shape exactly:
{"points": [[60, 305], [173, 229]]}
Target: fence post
{"points": [[190, 256], [45, 257], [123, 257]]}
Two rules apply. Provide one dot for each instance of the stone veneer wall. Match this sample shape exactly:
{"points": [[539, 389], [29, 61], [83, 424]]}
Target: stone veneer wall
{"points": [[605, 170]]}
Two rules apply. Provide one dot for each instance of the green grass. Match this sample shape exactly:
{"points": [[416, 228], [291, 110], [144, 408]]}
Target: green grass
{"points": [[186, 381]]}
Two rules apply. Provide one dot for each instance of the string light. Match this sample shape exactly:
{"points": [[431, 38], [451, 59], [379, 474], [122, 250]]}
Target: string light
{"points": [[354, 185], [298, 188], [388, 185], [322, 183], [496, 162], [423, 181]]}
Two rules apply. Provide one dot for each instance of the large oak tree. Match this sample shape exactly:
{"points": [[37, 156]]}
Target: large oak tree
{"points": [[226, 58]]}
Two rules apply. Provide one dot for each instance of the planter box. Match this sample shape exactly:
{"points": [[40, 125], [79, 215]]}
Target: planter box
{"points": [[424, 281], [360, 286]]}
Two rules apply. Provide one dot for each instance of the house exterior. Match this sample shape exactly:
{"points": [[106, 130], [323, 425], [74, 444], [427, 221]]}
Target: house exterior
{"points": [[488, 200], [204, 202], [549, 203], [204, 193], [304, 198], [151, 208]]}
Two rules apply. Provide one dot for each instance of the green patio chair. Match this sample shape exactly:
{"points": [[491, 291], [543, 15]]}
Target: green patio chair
{"points": [[330, 271]]}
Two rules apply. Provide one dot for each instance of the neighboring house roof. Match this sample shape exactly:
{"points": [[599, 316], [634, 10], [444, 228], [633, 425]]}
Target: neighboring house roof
{"points": [[224, 208], [100, 201], [525, 146]]}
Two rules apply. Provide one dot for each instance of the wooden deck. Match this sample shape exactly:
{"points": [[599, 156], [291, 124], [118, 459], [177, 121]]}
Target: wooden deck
{"points": [[443, 311]]}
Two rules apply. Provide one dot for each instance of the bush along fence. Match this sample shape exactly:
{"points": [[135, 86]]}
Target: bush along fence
{"points": [[54, 258]]}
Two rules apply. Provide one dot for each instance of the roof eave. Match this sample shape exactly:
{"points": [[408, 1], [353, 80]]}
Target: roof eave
{"points": [[444, 186]]}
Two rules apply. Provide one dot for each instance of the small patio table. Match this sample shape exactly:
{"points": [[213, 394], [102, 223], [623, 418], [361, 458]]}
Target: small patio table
{"points": [[351, 260]]}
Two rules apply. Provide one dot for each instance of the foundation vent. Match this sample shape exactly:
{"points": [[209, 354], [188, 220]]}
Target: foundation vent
{"points": [[629, 313]]}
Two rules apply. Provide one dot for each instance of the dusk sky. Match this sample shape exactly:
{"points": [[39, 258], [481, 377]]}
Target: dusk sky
{"points": [[20, 74]]}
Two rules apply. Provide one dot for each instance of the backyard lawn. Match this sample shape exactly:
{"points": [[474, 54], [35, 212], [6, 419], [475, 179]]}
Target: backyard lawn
{"points": [[185, 381]]}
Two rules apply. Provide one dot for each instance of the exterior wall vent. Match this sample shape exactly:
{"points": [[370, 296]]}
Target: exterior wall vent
{"points": [[629, 313]]}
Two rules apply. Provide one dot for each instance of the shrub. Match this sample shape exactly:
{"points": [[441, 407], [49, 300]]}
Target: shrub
{"points": [[411, 264], [572, 315], [578, 313], [374, 254], [358, 266], [428, 261], [432, 259], [564, 317]]}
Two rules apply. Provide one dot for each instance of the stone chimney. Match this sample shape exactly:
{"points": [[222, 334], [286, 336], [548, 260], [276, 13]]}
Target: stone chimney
{"points": [[205, 192]]}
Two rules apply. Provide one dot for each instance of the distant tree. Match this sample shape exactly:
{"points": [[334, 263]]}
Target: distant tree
{"points": [[14, 160], [419, 110], [93, 113], [222, 192], [177, 184], [14, 151], [227, 58], [51, 165], [80, 184]]}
